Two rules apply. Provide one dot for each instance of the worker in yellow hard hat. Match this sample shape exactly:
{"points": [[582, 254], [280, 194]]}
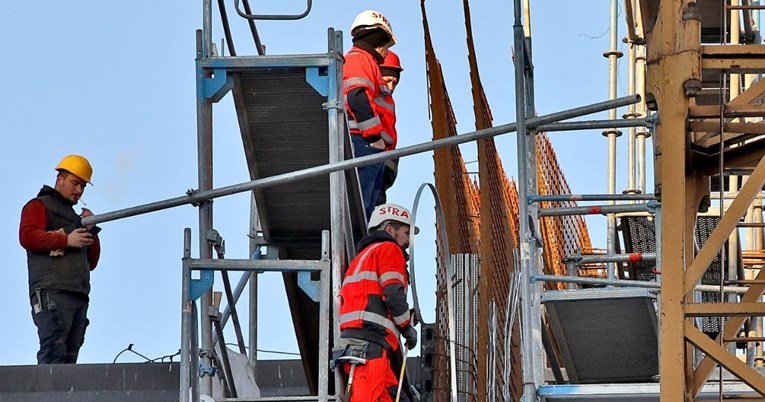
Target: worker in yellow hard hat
{"points": [[61, 252]]}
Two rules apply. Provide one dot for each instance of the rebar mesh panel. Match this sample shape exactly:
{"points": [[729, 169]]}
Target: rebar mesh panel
{"points": [[562, 235], [466, 314]]}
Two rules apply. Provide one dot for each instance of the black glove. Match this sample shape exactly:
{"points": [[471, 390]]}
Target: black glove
{"points": [[415, 319], [410, 334]]}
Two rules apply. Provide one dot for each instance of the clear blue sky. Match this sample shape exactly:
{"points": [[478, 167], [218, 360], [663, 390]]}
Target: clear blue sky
{"points": [[115, 82]]}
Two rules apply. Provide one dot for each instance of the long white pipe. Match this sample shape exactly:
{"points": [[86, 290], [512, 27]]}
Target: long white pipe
{"points": [[613, 56]]}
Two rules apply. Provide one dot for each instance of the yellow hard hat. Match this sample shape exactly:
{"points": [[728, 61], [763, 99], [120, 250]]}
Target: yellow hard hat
{"points": [[76, 165]]}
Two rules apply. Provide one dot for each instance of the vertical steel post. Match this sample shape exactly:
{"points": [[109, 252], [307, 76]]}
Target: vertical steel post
{"points": [[253, 293], [535, 255], [613, 55], [186, 312], [337, 189], [757, 244], [206, 47], [642, 132], [204, 161], [673, 59], [324, 324], [631, 114], [531, 353]]}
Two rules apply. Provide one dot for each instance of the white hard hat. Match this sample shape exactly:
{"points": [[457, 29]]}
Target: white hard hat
{"points": [[391, 212], [370, 19]]}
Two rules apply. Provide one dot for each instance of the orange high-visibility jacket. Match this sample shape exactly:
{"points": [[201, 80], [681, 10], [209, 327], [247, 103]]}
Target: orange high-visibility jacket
{"points": [[373, 304], [365, 94], [388, 119]]}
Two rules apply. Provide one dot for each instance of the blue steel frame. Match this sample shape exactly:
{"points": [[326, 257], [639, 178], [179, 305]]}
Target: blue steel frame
{"points": [[213, 82]]}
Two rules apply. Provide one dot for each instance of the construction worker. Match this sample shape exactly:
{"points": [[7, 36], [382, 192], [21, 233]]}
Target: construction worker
{"points": [[60, 255], [373, 306], [365, 104], [390, 70]]}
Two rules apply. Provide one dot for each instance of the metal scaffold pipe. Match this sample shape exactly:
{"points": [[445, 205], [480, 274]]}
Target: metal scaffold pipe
{"points": [[631, 257], [613, 56], [595, 124], [197, 197], [630, 283], [590, 197], [596, 210]]}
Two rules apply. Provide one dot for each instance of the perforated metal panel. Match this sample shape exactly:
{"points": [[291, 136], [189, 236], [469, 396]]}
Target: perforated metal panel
{"points": [[639, 237], [639, 233], [605, 335], [284, 128]]}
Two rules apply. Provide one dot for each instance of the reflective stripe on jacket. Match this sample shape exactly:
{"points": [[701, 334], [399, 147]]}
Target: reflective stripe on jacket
{"points": [[365, 102], [388, 119], [373, 302]]}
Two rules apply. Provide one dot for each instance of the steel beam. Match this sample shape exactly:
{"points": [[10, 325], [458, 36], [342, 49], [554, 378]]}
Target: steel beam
{"points": [[724, 309], [673, 58], [725, 227], [721, 355], [732, 327]]}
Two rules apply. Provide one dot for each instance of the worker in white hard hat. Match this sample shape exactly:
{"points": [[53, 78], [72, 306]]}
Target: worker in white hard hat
{"points": [[373, 308], [364, 91], [61, 252]]}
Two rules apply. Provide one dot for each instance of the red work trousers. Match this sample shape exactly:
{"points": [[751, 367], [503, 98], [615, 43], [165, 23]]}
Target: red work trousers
{"points": [[373, 381]]}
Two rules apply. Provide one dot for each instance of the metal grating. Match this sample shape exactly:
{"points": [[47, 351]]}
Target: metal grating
{"points": [[285, 128], [713, 275], [639, 232], [639, 237], [605, 335]]}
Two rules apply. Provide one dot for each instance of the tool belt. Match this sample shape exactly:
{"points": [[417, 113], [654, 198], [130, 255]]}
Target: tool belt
{"points": [[349, 350]]}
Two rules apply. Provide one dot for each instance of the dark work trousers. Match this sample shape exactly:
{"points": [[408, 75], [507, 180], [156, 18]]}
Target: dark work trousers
{"points": [[61, 322], [370, 176], [389, 177]]}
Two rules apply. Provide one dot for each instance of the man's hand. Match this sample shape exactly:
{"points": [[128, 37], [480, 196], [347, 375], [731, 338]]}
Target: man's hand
{"points": [[79, 238], [86, 213], [379, 144], [410, 334], [415, 319]]}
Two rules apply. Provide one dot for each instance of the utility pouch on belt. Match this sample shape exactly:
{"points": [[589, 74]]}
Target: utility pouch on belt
{"points": [[349, 350]]}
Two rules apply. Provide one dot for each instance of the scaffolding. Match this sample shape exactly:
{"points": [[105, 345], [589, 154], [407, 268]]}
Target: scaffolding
{"points": [[670, 63], [695, 65]]}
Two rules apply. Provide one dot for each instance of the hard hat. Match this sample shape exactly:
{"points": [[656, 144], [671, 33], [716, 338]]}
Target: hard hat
{"points": [[391, 212], [371, 19], [392, 62], [76, 165]]}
